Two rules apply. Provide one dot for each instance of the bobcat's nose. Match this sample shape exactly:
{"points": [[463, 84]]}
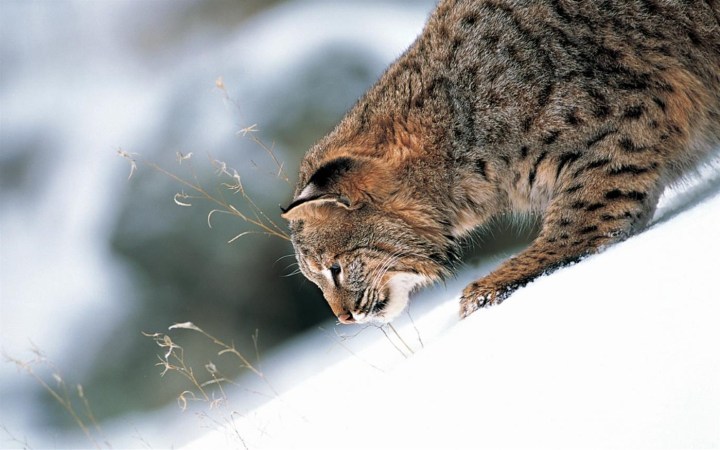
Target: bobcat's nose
{"points": [[346, 318]]}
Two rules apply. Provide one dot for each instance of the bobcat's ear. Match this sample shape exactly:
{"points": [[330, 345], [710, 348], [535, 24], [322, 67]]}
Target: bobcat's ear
{"points": [[337, 183], [301, 208]]}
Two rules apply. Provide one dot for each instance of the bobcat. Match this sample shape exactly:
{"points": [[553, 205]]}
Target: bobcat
{"points": [[581, 112]]}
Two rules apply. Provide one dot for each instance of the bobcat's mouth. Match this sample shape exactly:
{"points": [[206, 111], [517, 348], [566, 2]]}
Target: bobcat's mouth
{"points": [[393, 301], [379, 306]]}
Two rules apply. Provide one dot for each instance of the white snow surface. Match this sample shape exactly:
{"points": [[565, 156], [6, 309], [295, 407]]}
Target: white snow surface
{"points": [[618, 351]]}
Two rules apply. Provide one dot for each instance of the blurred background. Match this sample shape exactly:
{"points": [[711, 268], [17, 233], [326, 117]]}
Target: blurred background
{"points": [[90, 259]]}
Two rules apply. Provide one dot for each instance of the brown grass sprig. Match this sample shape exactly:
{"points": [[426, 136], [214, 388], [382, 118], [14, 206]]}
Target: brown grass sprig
{"points": [[82, 414], [230, 183], [250, 132], [173, 360]]}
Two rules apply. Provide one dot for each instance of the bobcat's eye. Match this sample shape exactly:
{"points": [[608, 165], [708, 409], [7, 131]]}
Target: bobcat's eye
{"points": [[335, 270]]}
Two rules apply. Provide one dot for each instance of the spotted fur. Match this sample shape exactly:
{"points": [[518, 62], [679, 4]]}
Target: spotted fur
{"points": [[579, 111]]}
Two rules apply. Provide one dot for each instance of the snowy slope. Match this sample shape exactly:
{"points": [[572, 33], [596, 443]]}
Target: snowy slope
{"points": [[620, 350]]}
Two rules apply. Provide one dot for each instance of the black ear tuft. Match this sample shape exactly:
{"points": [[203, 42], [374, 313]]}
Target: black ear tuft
{"points": [[331, 172]]}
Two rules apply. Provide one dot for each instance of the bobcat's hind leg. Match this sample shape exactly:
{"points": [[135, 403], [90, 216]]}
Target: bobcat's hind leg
{"points": [[580, 220]]}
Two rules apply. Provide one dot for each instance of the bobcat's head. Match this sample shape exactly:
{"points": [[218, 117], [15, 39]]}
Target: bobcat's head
{"points": [[357, 242]]}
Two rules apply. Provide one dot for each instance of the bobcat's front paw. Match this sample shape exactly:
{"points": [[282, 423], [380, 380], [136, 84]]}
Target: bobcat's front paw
{"points": [[475, 296], [482, 294]]}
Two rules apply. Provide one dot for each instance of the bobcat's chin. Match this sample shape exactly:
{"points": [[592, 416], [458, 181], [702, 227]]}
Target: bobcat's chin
{"points": [[400, 286]]}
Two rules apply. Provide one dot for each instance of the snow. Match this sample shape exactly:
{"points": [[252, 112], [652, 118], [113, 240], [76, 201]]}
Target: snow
{"points": [[619, 350]]}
